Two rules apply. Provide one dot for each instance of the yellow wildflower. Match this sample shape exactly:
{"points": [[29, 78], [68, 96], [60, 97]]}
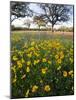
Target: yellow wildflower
{"points": [[19, 64], [59, 61], [13, 68], [41, 81], [31, 49], [56, 56], [59, 68], [47, 88], [27, 69], [20, 53], [23, 61], [70, 72], [32, 43], [61, 55], [44, 60], [15, 58], [29, 55], [36, 54], [71, 60], [36, 62], [44, 70], [49, 62], [34, 88], [65, 73], [14, 80], [58, 44], [72, 75], [28, 62]]}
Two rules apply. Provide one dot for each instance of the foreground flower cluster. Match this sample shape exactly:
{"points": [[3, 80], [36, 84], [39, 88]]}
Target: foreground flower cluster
{"points": [[41, 67]]}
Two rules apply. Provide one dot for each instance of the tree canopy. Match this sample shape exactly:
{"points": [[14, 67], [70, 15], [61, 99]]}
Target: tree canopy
{"points": [[20, 10], [39, 21], [54, 13]]}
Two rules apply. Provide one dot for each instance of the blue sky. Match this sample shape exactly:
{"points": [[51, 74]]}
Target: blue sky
{"points": [[37, 9]]}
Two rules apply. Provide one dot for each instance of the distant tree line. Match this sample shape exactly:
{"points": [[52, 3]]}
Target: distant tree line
{"points": [[13, 28], [61, 29], [65, 29]]}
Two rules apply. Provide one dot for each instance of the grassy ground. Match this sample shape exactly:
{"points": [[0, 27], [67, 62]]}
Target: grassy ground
{"points": [[41, 64]]}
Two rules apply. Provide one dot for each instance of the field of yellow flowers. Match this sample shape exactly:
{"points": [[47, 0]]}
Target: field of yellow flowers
{"points": [[41, 66]]}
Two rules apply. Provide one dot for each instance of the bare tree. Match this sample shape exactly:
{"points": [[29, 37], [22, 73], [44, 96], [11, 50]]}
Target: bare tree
{"points": [[55, 13], [39, 21], [19, 10], [27, 22]]}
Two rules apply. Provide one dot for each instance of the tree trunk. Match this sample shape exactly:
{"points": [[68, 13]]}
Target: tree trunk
{"points": [[52, 28], [29, 26], [39, 32], [52, 31]]}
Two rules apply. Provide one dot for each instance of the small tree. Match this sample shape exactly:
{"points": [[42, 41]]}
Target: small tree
{"points": [[39, 21], [27, 23]]}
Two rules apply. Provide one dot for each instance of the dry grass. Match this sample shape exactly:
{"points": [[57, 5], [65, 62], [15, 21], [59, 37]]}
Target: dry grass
{"points": [[47, 32]]}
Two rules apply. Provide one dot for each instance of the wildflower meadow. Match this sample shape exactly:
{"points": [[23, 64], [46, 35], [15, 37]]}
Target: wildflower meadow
{"points": [[41, 65]]}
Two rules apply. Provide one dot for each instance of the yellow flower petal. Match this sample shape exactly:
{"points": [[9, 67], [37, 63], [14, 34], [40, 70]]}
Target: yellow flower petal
{"points": [[44, 70], [65, 73], [44, 60], [27, 69], [28, 62], [47, 88], [15, 58], [34, 88]]}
